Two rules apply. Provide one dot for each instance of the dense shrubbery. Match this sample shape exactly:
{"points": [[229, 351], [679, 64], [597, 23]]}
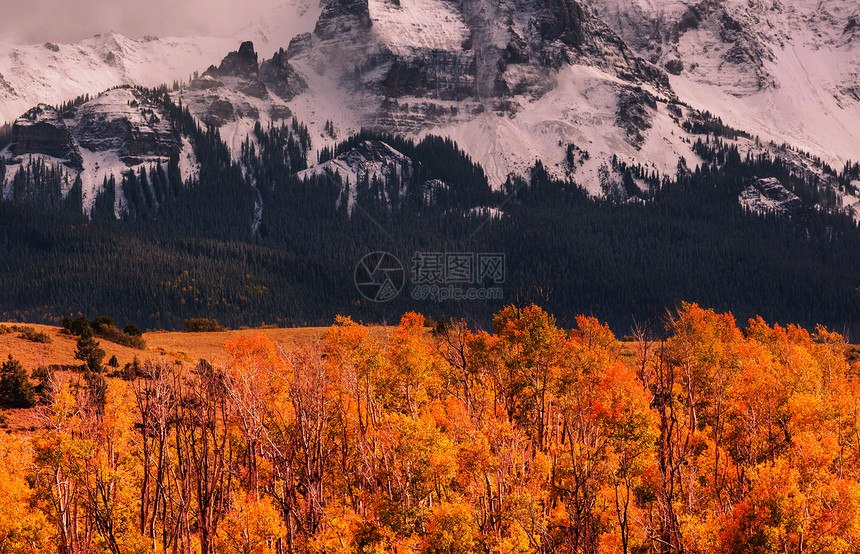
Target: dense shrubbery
{"points": [[31, 334], [26, 333], [104, 327], [202, 325]]}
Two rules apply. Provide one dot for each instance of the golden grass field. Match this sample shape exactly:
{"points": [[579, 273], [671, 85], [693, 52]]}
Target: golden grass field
{"points": [[169, 345]]}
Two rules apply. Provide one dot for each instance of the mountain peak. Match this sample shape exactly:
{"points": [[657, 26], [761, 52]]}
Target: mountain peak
{"points": [[240, 63]]}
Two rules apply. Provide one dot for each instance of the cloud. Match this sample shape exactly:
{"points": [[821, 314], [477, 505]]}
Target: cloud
{"points": [[37, 21]]}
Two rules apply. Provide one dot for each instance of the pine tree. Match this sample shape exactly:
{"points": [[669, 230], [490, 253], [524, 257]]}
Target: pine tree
{"points": [[15, 388], [90, 352]]}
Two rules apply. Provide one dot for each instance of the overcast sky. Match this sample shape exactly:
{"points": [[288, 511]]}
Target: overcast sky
{"points": [[37, 21]]}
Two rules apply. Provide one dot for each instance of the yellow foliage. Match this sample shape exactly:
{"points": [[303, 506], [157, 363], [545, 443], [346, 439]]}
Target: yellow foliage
{"points": [[250, 527]]}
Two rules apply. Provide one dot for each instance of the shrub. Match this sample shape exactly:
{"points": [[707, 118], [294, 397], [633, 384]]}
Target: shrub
{"points": [[132, 370], [80, 326], [102, 321], [103, 327], [31, 334], [202, 325], [113, 334]]}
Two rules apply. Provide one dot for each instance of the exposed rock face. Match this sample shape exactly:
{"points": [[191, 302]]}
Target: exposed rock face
{"points": [[560, 20], [219, 113], [42, 131], [369, 161], [242, 63], [206, 82], [444, 76], [239, 88], [300, 44], [277, 112], [635, 107], [281, 77], [675, 67], [340, 17], [122, 120], [253, 87], [566, 31], [435, 62], [768, 195], [712, 40]]}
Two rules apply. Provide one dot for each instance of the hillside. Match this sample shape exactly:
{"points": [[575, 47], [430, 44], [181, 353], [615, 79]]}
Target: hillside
{"points": [[175, 346]]}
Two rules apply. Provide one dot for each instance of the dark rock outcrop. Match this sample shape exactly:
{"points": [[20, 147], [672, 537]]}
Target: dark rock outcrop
{"points": [[277, 111], [42, 131], [281, 78], [206, 82], [241, 63], [635, 107], [124, 121], [253, 87], [340, 17], [675, 67], [219, 113], [299, 44], [559, 20], [444, 76]]}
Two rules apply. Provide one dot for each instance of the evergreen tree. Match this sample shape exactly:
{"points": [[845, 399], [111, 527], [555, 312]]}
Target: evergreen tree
{"points": [[89, 351], [15, 389]]}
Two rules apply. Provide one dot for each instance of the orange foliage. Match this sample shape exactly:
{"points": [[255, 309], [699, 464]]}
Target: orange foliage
{"points": [[530, 439]]}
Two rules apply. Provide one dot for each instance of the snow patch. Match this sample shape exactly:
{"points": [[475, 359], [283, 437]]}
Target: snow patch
{"points": [[410, 26], [189, 168]]}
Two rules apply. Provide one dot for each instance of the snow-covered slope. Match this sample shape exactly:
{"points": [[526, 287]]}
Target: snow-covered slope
{"points": [[55, 73], [368, 161], [788, 71]]}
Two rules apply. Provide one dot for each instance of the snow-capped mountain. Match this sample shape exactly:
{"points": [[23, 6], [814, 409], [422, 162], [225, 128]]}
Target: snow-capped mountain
{"points": [[511, 83], [786, 71], [517, 82], [581, 86], [55, 73]]}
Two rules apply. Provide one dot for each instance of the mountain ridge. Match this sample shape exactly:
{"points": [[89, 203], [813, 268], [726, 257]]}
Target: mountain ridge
{"points": [[521, 82]]}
